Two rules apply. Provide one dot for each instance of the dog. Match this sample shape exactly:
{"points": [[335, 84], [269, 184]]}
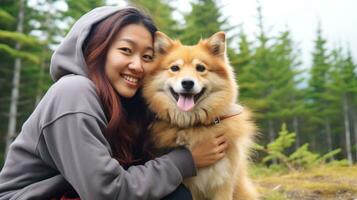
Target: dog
{"points": [[193, 93]]}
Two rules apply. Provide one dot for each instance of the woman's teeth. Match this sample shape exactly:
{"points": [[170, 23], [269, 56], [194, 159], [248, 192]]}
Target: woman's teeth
{"points": [[130, 79]]}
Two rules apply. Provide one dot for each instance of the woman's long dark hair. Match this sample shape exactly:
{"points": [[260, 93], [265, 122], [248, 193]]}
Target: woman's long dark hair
{"points": [[128, 118]]}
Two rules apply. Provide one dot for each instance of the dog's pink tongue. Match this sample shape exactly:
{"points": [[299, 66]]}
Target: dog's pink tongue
{"points": [[185, 103]]}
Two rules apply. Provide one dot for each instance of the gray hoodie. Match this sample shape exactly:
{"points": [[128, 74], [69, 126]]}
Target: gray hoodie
{"points": [[61, 145]]}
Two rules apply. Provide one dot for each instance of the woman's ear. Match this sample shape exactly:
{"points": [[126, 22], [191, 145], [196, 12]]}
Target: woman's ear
{"points": [[162, 43], [217, 43]]}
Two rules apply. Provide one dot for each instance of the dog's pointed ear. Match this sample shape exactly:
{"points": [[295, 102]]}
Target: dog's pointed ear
{"points": [[217, 44], [162, 42]]}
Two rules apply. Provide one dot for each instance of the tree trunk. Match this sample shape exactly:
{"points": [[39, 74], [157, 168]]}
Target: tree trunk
{"points": [[354, 119], [272, 135], [328, 135], [11, 132], [271, 130], [347, 129], [296, 130]]}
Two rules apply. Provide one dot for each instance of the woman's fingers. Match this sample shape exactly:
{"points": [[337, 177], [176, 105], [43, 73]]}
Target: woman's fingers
{"points": [[210, 151], [222, 147], [220, 139], [218, 156]]}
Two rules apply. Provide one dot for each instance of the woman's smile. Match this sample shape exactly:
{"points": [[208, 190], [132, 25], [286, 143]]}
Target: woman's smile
{"points": [[131, 80]]}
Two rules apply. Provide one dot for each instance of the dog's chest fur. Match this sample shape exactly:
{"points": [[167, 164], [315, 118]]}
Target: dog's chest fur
{"points": [[167, 135]]}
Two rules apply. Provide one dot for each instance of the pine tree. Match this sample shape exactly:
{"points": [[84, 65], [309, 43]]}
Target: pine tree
{"points": [[264, 71], [77, 8], [19, 48], [299, 159], [253, 72], [161, 12], [242, 62], [30, 54], [343, 86], [286, 96], [203, 21], [268, 79], [353, 74], [349, 74], [319, 104]]}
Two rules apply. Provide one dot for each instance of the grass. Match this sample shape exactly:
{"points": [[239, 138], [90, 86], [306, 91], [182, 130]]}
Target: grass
{"points": [[323, 182]]}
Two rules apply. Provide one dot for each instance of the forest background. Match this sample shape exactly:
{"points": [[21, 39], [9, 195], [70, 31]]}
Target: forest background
{"points": [[306, 116]]}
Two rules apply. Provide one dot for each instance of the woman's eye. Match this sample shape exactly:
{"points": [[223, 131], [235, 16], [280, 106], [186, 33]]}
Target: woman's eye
{"points": [[200, 68], [175, 68], [125, 50], [148, 58]]}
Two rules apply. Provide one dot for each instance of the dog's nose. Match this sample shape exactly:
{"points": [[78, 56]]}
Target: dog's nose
{"points": [[187, 84]]}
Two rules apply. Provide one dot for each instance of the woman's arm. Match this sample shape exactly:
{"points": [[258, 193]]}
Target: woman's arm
{"points": [[82, 155]]}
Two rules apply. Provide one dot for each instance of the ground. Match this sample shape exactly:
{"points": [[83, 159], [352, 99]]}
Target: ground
{"points": [[319, 183]]}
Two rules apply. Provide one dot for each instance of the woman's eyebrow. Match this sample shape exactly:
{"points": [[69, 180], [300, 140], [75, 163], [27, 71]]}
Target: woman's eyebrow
{"points": [[135, 44]]}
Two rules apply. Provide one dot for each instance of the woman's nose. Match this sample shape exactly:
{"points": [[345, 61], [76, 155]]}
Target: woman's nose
{"points": [[136, 65]]}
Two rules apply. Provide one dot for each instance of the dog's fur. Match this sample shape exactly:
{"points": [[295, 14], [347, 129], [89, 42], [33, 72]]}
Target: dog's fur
{"points": [[186, 125]]}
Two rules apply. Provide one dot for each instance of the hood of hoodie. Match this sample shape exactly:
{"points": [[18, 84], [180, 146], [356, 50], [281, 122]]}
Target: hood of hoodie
{"points": [[68, 57]]}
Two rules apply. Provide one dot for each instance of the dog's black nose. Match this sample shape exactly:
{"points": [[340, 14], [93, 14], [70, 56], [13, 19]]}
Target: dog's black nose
{"points": [[187, 84]]}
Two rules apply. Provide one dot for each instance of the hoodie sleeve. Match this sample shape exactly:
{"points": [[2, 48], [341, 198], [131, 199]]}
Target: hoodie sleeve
{"points": [[79, 150]]}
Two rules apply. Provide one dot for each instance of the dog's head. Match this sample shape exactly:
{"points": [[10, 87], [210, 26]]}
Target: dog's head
{"points": [[190, 84]]}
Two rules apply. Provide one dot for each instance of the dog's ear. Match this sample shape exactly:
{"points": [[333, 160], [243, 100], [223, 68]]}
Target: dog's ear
{"points": [[162, 43], [217, 43]]}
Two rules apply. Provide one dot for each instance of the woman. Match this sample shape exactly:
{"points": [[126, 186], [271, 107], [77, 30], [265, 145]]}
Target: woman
{"points": [[89, 132]]}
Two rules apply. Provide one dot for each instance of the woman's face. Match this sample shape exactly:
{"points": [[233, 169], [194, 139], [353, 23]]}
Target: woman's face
{"points": [[128, 58]]}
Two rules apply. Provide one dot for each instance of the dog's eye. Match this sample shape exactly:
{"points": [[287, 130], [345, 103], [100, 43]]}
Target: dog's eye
{"points": [[174, 68], [200, 68]]}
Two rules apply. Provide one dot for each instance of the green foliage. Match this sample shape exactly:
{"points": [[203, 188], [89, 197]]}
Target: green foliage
{"points": [[19, 37], [302, 158], [203, 21], [318, 94], [80, 7], [6, 17], [19, 54], [267, 70], [161, 12], [276, 148]]}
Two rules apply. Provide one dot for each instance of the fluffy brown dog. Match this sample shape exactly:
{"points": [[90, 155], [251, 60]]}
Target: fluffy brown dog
{"points": [[193, 93]]}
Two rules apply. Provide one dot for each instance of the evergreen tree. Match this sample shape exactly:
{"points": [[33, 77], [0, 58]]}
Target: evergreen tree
{"points": [[250, 76], [344, 87], [20, 50], [203, 21], [286, 98], [320, 106], [256, 81], [242, 59], [77, 8], [161, 12], [353, 66], [267, 78]]}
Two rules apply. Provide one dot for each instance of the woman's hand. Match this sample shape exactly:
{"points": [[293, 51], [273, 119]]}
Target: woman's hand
{"points": [[208, 152]]}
